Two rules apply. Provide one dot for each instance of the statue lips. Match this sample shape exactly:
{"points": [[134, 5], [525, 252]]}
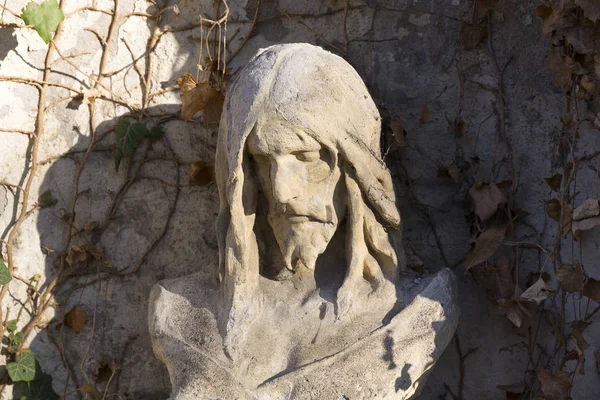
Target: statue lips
{"points": [[297, 213], [296, 218]]}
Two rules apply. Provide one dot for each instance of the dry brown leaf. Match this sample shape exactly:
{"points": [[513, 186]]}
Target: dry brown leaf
{"points": [[201, 174], [449, 172], [513, 391], [591, 289], [457, 128], [486, 199], [76, 319], [556, 386], [199, 97], [472, 35], [554, 209], [398, 132], [570, 277], [92, 391], [587, 84], [591, 8], [585, 225], [485, 246], [498, 279], [580, 343], [91, 225], [483, 6], [589, 208], [424, 115], [538, 292], [412, 261], [516, 311], [90, 96], [551, 17], [554, 182], [562, 72]]}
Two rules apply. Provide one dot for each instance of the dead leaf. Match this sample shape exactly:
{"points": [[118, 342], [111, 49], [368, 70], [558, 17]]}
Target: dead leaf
{"points": [[91, 225], [485, 246], [92, 391], [90, 96], [570, 277], [76, 319], [554, 182], [199, 97], [449, 172], [424, 115], [562, 73], [591, 289], [551, 18], [585, 225], [457, 128], [538, 292], [597, 66], [398, 132], [589, 208], [580, 343], [486, 199], [498, 279], [472, 35], [591, 9], [201, 174], [517, 311], [556, 386], [587, 84], [412, 261], [554, 209], [483, 6], [514, 390]]}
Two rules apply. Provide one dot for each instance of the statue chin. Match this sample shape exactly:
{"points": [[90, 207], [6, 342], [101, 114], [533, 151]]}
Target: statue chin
{"points": [[314, 188], [302, 242]]}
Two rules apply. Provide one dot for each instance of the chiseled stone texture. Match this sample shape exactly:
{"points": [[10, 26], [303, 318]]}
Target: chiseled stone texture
{"points": [[391, 361]]}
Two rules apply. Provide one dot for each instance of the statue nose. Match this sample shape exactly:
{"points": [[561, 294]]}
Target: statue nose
{"points": [[284, 182]]}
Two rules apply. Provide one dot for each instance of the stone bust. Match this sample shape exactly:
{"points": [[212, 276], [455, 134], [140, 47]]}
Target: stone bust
{"points": [[307, 300]]}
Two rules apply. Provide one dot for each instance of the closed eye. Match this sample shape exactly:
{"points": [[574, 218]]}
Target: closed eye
{"points": [[307, 156]]}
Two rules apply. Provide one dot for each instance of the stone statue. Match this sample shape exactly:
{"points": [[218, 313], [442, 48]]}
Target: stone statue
{"points": [[307, 302]]}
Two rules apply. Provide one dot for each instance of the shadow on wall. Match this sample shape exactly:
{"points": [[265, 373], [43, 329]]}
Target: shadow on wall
{"points": [[128, 230]]}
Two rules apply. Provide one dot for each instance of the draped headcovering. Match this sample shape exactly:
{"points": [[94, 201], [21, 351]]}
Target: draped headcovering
{"points": [[323, 95]]}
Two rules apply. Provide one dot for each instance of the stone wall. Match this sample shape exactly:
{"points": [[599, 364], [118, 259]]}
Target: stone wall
{"points": [[153, 225]]}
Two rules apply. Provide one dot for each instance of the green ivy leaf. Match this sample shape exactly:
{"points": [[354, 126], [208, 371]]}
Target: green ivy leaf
{"points": [[5, 275], [23, 369], [47, 199], [15, 339], [41, 388], [156, 133], [11, 325], [128, 137], [43, 17]]}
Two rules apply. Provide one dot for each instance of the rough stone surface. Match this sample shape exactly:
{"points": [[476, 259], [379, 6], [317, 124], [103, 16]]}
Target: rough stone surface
{"points": [[391, 361], [407, 58]]}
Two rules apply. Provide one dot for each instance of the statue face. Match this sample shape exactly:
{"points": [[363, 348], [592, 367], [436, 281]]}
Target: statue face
{"points": [[299, 178]]}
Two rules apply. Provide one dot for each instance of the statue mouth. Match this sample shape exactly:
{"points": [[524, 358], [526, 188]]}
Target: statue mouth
{"points": [[297, 218]]}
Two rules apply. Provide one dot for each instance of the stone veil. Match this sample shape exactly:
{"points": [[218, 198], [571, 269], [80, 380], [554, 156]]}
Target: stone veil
{"points": [[311, 299]]}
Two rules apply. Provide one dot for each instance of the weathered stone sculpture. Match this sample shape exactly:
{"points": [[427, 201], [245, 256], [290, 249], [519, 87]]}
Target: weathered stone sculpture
{"points": [[307, 302]]}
